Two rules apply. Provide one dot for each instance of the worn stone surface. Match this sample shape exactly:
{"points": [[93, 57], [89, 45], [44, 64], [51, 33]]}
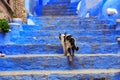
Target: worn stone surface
{"points": [[97, 58], [59, 62], [4, 13], [92, 36], [17, 6], [20, 10], [66, 75], [60, 8]]}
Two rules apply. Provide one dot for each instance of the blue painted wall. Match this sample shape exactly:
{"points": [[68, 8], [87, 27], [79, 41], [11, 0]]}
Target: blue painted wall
{"points": [[111, 4], [94, 8], [38, 8]]}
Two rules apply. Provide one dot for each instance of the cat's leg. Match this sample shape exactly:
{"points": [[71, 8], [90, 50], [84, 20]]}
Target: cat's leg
{"points": [[69, 54], [65, 51], [72, 51], [69, 51]]}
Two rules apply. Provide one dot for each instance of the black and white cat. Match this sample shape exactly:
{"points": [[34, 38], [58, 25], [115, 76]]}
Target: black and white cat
{"points": [[68, 44]]}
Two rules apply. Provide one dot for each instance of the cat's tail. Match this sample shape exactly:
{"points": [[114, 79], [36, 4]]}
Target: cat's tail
{"points": [[76, 48]]}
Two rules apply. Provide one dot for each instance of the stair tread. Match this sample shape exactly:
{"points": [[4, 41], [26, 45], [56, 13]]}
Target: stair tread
{"points": [[104, 31], [59, 44], [56, 37], [57, 55], [46, 72], [73, 30]]}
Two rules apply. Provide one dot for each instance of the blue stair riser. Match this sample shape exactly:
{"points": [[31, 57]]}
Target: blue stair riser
{"points": [[56, 9], [67, 27], [58, 4], [5, 38], [60, 10], [101, 76], [59, 1], [67, 18], [59, 63], [84, 48], [58, 13], [74, 22], [63, 6], [74, 33], [66, 11], [118, 33], [64, 18], [55, 39], [69, 21]]}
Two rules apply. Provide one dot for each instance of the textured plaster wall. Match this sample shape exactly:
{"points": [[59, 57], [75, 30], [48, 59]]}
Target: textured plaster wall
{"points": [[3, 11]]}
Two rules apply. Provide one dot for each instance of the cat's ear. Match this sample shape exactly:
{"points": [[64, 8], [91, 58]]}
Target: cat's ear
{"points": [[60, 36]]}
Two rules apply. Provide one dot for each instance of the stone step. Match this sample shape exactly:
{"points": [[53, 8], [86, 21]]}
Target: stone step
{"points": [[55, 39], [58, 1], [71, 22], [66, 26], [59, 10], [56, 6], [72, 18], [56, 17], [103, 48], [59, 62], [31, 27], [73, 32], [118, 33], [67, 9], [91, 74], [58, 13]]}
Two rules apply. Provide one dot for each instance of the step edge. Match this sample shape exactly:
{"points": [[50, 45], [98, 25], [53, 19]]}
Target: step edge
{"points": [[58, 55], [48, 72]]}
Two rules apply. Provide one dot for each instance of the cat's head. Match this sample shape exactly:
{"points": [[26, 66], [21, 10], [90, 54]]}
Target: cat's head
{"points": [[62, 36]]}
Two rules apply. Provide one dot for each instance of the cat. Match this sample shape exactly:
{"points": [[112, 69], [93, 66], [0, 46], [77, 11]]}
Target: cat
{"points": [[68, 44]]}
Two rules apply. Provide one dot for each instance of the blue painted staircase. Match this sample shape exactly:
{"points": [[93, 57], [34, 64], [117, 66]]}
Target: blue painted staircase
{"points": [[92, 36], [34, 52], [59, 8]]}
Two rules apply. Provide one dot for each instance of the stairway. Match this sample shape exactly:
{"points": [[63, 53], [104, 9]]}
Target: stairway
{"points": [[92, 36], [59, 8], [34, 52]]}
